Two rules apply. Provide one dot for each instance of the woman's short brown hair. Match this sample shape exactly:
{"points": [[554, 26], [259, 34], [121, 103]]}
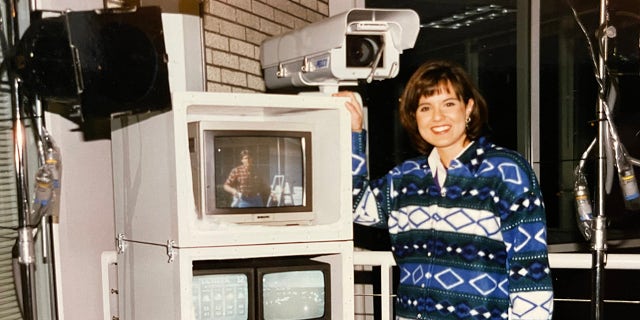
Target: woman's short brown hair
{"points": [[429, 79]]}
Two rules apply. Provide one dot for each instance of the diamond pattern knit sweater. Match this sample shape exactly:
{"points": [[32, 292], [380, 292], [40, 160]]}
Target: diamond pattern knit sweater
{"points": [[473, 249]]}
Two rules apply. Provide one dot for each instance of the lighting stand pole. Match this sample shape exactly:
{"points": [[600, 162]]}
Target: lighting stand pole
{"points": [[599, 240], [25, 244]]}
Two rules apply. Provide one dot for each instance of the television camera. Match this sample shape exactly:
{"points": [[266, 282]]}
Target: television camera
{"points": [[357, 44]]}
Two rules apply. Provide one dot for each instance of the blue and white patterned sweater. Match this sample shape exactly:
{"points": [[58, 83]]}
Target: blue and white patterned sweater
{"points": [[473, 249]]}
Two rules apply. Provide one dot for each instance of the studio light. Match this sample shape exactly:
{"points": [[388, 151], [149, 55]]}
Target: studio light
{"points": [[107, 62]]}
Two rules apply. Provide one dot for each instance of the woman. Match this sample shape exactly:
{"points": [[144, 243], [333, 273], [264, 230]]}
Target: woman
{"points": [[466, 219]]}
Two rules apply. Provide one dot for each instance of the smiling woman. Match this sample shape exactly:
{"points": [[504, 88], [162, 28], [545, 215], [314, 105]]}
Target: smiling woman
{"points": [[535, 69], [466, 218]]}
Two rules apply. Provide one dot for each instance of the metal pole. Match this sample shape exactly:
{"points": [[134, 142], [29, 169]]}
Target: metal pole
{"points": [[599, 240], [25, 243], [26, 247]]}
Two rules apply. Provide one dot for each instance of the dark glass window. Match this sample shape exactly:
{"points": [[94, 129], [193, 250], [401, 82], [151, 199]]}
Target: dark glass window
{"points": [[496, 55]]}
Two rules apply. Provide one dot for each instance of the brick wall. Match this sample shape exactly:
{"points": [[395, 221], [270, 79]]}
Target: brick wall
{"points": [[234, 29]]}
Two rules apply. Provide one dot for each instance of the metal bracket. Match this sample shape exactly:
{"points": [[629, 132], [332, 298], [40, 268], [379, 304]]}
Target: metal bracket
{"points": [[171, 252], [305, 65], [281, 73], [120, 243]]}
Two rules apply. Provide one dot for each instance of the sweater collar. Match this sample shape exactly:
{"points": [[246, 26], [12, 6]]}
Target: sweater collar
{"points": [[438, 170], [472, 157]]}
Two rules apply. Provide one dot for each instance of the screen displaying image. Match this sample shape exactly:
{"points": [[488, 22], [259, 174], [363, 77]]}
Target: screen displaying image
{"points": [[257, 170], [221, 296], [293, 295]]}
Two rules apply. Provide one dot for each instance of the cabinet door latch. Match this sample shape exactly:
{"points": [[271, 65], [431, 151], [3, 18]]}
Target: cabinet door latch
{"points": [[171, 251]]}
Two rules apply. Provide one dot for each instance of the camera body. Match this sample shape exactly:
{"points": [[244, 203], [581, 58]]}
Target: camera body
{"points": [[357, 44]]}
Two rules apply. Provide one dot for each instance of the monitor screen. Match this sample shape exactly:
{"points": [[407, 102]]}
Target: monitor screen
{"points": [[293, 295], [256, 170], [247, 175], [225, 294], [294, 292]]}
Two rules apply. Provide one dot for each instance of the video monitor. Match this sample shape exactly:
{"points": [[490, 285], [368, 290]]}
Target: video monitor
{"points": [[252, 175], [291, 292], [224, 294], [278, 288]]}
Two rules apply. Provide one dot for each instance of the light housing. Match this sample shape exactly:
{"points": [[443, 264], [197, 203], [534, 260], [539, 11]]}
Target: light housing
{"points": [[108, 62]]}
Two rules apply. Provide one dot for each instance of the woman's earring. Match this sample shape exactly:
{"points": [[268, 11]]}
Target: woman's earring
{"points": [[467, 122]]}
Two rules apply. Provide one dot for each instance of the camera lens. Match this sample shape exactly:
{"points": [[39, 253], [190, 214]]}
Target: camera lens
{"points": [[362, 50]]}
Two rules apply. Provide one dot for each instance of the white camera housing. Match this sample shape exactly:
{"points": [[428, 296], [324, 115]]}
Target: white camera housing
{"points": [[357, 44]]}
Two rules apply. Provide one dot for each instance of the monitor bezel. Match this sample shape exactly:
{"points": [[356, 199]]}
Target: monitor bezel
{"points": [[202, 164], [293, 264], [209, 268]]}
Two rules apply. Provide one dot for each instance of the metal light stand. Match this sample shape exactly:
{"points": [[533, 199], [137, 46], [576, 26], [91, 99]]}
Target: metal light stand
{"points": [[26, 247], [26, 231], [599, 239]]}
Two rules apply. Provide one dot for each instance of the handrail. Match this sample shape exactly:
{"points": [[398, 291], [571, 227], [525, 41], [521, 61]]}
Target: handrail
{"points": [[386, 262]]}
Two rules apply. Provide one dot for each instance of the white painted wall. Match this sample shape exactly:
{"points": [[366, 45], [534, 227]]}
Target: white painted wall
{"points": [[85, 227]]}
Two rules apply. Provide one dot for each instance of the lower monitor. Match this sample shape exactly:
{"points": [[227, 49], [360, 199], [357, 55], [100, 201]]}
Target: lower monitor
{"points": [[279, 288]]}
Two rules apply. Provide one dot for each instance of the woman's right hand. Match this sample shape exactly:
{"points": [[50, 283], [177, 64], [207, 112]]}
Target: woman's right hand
{"points": [[355, 109]]}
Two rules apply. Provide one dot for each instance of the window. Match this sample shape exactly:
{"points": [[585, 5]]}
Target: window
{"points": [[542, 93]]}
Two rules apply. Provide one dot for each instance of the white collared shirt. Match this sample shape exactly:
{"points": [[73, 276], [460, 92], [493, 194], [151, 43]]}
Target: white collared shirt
{"points": [[437, 168]]}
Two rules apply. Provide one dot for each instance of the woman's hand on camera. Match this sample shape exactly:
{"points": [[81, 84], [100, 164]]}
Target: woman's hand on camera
{"points": [[355, 109]]}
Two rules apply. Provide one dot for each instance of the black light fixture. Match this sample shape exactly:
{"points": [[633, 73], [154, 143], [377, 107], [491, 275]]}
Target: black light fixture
{"points": [[107, 62]]}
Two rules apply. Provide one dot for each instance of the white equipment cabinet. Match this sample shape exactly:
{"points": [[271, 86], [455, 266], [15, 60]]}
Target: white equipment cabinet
{"points": [[158, 227]]}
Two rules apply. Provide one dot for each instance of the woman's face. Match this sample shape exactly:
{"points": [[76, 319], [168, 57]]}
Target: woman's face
{"points": [[441, 119]]}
